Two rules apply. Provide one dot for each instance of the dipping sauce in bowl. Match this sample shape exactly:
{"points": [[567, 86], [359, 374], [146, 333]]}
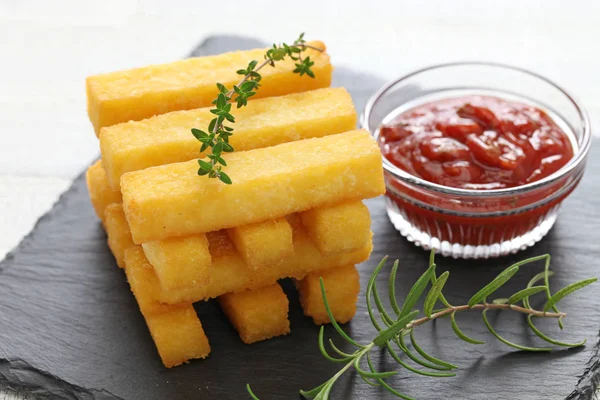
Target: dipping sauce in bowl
{"points": [[476, 142], [477, 168]]}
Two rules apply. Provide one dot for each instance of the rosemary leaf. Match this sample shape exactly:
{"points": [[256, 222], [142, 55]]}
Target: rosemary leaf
{"points": [[506, 341], [397, 358], [339, 330], [324, 351], [547, 284], [252, 395], [432, 257], [385, 385], [324, 394], [434, 293], [309, 394], [427, 356], [536, 278], [325, 389], [545, 275], [367, 374], [385, 317], [525, 293], [395, 392], [385, 336], [372, 369], [548, 339], [562, 293], [461, 334], [392, 289], [442, 298], [494, 285], [367, 380], [434, 278], [337, 350], [369, 292], [400, 342], [530, 260], [415, 292]]}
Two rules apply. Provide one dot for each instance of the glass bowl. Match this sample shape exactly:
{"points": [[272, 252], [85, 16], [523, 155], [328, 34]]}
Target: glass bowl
{"points": [[466, 223]]}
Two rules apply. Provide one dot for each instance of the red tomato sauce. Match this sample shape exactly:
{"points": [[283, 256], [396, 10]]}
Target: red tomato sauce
{"points": [[476, 142]]}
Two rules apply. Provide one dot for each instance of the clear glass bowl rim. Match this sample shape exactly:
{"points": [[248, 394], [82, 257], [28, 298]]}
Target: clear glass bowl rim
{"points": [[579, 157]]}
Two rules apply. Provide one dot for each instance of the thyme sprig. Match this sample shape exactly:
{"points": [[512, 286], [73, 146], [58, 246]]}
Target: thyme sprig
{"points": [[216, 137], [393, 327]]}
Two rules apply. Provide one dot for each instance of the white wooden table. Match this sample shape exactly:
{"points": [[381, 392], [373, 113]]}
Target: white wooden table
{"points": [[49, 47]]}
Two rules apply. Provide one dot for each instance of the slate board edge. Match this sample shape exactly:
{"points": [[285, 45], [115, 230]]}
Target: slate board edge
{"points": [[15, 374], [587, 387]]}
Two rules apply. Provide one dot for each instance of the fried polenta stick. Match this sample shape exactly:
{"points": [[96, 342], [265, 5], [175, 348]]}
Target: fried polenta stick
{"points": [[229, 273], [264, 244], [338, 229], [342, 285], [185, 262], [140, 93], [117, 231], [257, 314], [171, 200], [178, 336], [176, 329], [99, 190], [166, 138], [180, 262]]}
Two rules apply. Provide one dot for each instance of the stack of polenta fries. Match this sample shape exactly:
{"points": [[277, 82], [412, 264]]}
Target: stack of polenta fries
{"points": [[300, 172]]}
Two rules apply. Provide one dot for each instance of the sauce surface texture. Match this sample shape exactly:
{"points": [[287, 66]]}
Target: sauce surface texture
{"points": [[476, 142]]}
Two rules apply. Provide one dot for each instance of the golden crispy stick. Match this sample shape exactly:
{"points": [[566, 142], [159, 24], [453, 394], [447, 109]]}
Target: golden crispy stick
{"points": [[257, 314], [229, 273], [144, 283], [342, 285], [117, 231], [180, 262], [338, 229], [166, 139], [100, 192], [172, 200], [175, 329], [186, 260], [178, 336], [140, 93], [264, 244]]}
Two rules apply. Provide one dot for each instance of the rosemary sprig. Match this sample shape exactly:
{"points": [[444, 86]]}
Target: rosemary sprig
{"points": [[391, 330], [216, 137]]}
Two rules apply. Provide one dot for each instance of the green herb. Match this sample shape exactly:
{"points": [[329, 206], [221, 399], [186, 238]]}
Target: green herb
{"points": [[392, 330], [217, 135]]}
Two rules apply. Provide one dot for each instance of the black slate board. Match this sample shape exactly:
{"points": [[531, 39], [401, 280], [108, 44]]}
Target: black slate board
{"points": [[70, 328]]}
